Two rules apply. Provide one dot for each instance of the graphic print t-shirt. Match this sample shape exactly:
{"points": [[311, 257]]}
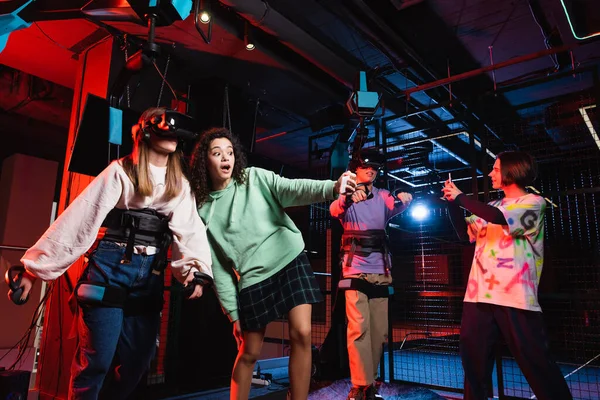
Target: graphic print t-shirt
{"points": [[509, 258]]}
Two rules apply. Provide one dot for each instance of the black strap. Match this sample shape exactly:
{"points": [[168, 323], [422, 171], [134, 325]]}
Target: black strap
{"points": [[133, 227], [364, 243], [371, 290], [147, 220], [144, 227], [100, 294], [160, 260], [143, 304]]}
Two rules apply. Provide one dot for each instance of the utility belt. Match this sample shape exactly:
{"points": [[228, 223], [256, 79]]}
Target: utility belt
{"points": [[144, 227], [134, 227], [363, 243], [371, 290]]}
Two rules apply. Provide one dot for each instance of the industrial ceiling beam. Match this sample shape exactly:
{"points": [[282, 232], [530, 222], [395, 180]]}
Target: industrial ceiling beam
{"points": [[488, 68]]}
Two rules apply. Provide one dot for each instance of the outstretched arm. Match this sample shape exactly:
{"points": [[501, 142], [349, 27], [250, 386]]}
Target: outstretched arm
{"points": [[484, 211], [76, 229], [301, 192]]}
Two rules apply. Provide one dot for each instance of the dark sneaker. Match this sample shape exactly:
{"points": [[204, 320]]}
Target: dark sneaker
{"points": [[356, 393], [371, 393]]}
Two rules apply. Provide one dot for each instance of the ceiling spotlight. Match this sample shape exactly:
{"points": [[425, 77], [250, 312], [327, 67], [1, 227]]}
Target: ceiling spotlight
{"points": [[205, 17], [248, 42], [202, 16]]}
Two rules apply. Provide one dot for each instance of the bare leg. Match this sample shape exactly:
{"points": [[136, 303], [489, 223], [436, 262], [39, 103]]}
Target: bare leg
{"points": [[248, 353], [301, 354]]}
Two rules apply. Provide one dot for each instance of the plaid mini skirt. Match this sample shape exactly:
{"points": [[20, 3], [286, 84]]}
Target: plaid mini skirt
{"points": [[274, 297]]}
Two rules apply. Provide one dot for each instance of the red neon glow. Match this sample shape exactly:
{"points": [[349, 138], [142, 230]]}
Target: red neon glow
{"points": [[271, 137]]}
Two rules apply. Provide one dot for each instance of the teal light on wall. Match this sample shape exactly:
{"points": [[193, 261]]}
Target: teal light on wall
{"points": [[574, 30]]}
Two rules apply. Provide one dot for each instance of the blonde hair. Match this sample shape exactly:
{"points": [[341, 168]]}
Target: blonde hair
{"points": [[136, 164]]}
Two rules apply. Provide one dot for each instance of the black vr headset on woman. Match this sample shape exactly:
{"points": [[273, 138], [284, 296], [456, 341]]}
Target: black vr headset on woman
{"points": [[181, 126]]}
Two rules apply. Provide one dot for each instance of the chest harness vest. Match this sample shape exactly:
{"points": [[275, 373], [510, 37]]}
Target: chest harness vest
{"points": [[363, 243]]}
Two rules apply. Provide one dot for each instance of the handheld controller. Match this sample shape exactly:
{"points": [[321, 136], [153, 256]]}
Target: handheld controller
{"points": [[344, 184], [13, 277], [200, 278]]}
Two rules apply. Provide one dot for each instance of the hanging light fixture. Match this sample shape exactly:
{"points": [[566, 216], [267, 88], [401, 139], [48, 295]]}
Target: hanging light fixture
{"points": [[248, 40], [204, 14]]}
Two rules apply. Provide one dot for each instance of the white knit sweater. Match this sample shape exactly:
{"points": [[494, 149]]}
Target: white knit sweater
{"points": [[75, 231]]}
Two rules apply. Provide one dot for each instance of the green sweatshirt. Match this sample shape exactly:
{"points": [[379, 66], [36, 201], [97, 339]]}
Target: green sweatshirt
{"points": [[251, 236]]}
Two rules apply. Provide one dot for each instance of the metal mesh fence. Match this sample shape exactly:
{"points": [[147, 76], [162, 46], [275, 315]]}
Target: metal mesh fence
{"points": [[431, 265]]}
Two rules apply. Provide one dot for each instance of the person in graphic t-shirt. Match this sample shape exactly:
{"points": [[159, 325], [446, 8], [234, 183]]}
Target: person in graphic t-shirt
{"points": [[502, 290]]}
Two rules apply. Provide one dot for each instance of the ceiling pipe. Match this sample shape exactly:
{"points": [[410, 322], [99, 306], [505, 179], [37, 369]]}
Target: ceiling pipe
{"points": [[318, 78], [488, 68], [272, 22], [378, 29], [552, 37], [364, 16]]}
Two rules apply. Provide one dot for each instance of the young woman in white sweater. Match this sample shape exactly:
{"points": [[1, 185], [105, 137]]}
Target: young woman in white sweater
{"points": [[145, 203]]}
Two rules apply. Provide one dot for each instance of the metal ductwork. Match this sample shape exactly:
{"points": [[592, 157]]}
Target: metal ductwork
{"points": [[269, 20], [290, 46]]}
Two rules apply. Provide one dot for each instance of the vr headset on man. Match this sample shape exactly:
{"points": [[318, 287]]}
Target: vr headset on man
{"points": [[366, 159]]}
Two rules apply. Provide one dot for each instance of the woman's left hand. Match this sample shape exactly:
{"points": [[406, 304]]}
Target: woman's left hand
{"points": [[198, 290]]}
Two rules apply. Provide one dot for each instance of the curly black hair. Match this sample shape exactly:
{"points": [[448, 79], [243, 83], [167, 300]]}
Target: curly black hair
{"points": [[198, 173]]}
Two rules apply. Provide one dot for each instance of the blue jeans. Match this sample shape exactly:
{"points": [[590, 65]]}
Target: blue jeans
{"points": [[109, 334]]}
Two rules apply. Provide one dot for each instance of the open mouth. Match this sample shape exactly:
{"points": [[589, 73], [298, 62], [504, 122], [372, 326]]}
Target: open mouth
{"points": [[225, 168]]}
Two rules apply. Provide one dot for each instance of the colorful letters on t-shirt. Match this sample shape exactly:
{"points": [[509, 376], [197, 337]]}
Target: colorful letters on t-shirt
{"points": [[508, 259]]}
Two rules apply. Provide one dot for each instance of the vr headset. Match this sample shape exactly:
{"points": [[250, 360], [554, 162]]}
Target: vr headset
{"points": [[367, 159], [180, 126]]}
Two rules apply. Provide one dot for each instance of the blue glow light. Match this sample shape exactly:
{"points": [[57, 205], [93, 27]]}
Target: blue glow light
{"points": [[419, 212]]}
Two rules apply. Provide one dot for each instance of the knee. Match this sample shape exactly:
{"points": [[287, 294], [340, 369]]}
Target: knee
{"points": [[301, 335], [249, 356]]}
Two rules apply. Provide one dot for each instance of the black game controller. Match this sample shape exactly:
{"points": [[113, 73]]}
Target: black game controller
{"points": [[200, 278], [15, 292]]}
